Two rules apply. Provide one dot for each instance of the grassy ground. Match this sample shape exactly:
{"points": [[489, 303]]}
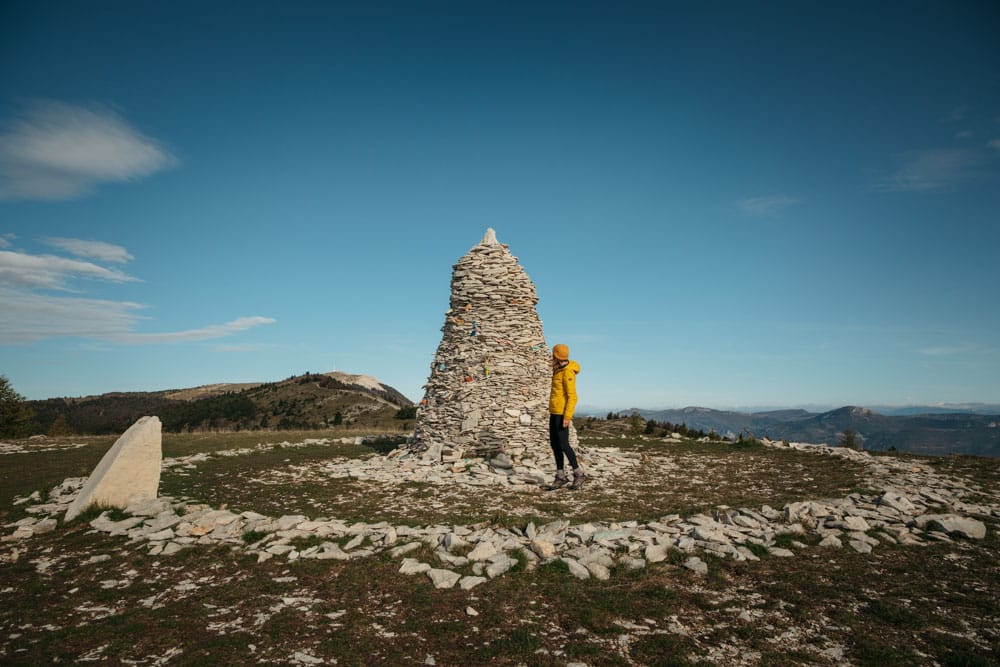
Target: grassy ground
{"points": [[682, 478], [896, 606]]}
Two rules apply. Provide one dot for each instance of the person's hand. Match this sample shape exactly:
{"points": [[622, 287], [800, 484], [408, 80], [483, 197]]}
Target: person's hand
{"points": [[565, 423]]}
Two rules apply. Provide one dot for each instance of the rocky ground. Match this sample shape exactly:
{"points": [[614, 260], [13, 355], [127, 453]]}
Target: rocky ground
{"points": [[323, 551]]}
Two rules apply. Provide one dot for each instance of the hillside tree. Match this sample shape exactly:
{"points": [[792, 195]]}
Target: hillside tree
{"points": [[17, 420], [849, 438]]}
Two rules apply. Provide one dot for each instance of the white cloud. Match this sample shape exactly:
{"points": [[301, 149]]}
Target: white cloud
{"points": [[99, 250], [204, 333], [51, 272], [61, 151], [766, 206], [30, 314], [931, 170]]}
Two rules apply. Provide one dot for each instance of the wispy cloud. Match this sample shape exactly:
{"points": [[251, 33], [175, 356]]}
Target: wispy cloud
{"points": [[956, 115], [31, 313], [29, 316], [62, 151], [767, 206], [51, 272], [243, 347], [952, 350], [933, 170], [99, 250], [204, 333], [5, 240]]}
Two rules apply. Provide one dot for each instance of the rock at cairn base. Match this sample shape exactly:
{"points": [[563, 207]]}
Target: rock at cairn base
{"points": [[129, 471], [488, 388]]}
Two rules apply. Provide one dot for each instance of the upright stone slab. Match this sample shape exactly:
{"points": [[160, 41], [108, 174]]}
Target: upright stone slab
{"points": [[129, 471], [489, 382]]}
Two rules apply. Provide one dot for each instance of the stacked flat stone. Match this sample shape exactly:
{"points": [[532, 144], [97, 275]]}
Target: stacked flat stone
{"points": [[487, 394]]}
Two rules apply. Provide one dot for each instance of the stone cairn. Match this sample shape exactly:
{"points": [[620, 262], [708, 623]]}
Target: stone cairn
{"points": [[487, 395]]}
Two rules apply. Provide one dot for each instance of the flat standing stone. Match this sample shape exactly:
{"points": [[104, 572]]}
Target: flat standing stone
{"points": [[129, 471]]}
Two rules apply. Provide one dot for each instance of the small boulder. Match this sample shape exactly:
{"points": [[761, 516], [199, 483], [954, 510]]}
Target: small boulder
{"points": [[443, 578], [952, 523], [696, 565]]}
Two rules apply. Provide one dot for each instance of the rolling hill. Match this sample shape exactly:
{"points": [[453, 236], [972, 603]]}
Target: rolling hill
{"points": [[299, 402]]}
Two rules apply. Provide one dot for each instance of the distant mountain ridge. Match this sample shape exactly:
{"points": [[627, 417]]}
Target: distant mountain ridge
{"points": [[934, 433], [299, 402]]}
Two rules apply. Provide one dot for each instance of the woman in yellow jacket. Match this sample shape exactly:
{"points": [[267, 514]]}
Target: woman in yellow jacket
{"points": [[562, 402]]}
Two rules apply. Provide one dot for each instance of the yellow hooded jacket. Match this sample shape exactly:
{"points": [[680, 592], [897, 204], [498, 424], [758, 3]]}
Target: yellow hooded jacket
{"points": [[562, 399]]}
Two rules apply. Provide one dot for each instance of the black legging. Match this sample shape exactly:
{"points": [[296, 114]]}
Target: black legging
{"points": [[559, 439]]}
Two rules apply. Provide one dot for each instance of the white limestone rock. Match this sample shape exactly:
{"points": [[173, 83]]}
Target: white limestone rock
{"points": [[129, 471], [443, 578], [860, 547], [413, 566], [482, 551], [656, 552], [470, 582], [598, 571], [396, 552], [696, 565], [576, 569], [543, 549], [831, 542], [952, 523], [498, 565]]}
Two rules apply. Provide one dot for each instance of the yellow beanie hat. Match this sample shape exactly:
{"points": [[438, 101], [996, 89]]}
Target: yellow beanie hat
{"points": [[560, 352]]}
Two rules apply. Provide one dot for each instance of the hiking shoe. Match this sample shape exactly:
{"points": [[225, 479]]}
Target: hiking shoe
{"points": [[578, 479], [560, 480]]}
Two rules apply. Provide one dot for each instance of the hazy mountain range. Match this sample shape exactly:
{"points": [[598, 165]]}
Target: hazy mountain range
{"points": [[957, 432]]}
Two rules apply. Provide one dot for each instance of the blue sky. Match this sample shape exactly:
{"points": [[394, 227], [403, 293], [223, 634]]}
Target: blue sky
{"points": [[721, 204]]}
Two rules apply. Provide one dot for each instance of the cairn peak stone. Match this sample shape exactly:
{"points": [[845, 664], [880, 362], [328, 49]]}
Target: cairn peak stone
{"points": [[487, 393], [128, 473], [489, 238]]}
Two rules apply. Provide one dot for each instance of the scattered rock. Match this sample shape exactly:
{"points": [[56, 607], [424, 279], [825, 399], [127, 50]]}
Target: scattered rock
{"points": [[952, 523], [443, 578], [576, 569], [413, 566], [696, 565]]}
